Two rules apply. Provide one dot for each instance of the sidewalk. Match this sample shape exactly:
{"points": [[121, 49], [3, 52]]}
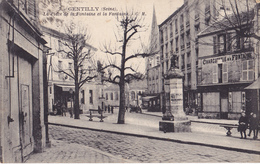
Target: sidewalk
{"points": [[204, 131]]}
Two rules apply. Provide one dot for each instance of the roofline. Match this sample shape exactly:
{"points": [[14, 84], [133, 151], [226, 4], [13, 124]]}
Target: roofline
{"points": [[60, 35], [172, 15]]}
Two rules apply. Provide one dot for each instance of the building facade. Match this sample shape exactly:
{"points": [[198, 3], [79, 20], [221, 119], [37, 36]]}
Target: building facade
{"points": [[228, 64], [178, 36], [61, 87], [22, 123]]}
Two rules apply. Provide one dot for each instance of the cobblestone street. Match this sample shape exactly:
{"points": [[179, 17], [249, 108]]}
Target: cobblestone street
{"points": [[133, 149]]}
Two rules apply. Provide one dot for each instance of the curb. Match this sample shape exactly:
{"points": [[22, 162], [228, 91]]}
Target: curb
{"points": [[204, 122], [162, 139]]}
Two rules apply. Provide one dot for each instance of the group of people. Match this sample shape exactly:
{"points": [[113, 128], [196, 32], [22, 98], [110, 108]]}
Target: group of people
{"points": [[250, 122], [59, 107], [109, 109]]}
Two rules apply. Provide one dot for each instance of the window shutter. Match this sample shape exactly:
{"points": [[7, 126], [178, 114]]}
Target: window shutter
{"points": [[215, 74], [214, 44], [225, 73], [31, 9]]}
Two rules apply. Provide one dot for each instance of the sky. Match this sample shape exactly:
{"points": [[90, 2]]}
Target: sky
{"points": [[102, 28]]}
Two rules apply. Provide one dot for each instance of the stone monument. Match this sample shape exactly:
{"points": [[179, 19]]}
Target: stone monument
{"points": [[174, 118]]}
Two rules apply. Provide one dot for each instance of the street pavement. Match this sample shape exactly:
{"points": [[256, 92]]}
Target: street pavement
{"points": [[139, 140]]}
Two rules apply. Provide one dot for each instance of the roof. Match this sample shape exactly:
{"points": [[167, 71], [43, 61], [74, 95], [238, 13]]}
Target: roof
{"points": [[228, 23], [112, 87], [172, 15], [254, 85], [138, 84]]}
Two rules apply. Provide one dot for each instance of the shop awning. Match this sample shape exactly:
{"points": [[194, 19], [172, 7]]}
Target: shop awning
{"points": [[148, 98], [66, 87], [254, 85]]}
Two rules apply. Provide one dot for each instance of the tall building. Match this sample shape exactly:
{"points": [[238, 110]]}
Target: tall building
{"points": [[153, 69], [22, 123], [178, 35]]}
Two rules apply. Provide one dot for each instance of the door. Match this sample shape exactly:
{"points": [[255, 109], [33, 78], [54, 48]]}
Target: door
{"points": [[25, 115], [25, 107], [224, 105]]}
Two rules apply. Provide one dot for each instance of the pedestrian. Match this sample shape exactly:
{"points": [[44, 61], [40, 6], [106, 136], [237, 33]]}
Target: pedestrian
{"points": [[99, 110], [108, 109], [253, 125], [126, 109], [243, 124], [105, 108], [112, 109], [249, 122], [63, 108], [58, 107]]}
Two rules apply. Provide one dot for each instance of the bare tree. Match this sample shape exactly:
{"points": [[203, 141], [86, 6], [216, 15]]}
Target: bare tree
{"points": [[76, 47], [130, 24], [231, 15]]}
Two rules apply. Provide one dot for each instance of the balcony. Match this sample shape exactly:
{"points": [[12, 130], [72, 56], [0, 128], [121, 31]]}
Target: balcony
{"points": [[177, 50], [176, 31], [171, 34]]}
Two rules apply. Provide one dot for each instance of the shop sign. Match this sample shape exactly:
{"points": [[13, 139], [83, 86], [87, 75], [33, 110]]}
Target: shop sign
{"points": [[227, 58]]}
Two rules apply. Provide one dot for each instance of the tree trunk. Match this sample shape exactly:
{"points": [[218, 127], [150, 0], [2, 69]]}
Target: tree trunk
{"points": [[76, 100], [121, 114], [76, 103]]}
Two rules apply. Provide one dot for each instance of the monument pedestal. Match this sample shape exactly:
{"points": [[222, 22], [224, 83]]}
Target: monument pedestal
{"points": [[175, 126]]}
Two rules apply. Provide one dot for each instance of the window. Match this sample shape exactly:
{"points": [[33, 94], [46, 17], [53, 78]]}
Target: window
{"points": [[182, 42], [82, 97], [221, 44], [225, 73], [50, 90], [60, 65], [133, 95], [220, 73], [247, 70], [70, 65], [111, 96], [171, 29], [91, 96], [215, 44], [176, 26], [177, 44], [183, 61], [166, 33], [116, 95]]}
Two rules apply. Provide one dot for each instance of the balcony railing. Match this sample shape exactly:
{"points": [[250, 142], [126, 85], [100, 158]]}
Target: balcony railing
{"points": [[171, 34]]}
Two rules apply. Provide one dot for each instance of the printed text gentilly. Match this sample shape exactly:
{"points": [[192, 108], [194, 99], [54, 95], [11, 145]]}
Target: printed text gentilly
{"points": [[91, 9]]}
